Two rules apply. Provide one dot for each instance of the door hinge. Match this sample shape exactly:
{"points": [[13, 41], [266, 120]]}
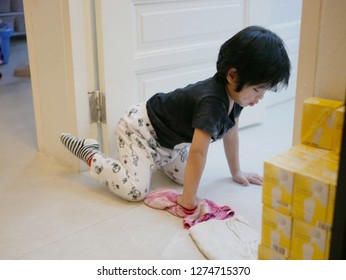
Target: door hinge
{"points": [[97, 106]]}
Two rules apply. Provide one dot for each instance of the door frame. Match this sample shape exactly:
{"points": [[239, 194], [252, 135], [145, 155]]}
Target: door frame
{"points": [[62, 52]]}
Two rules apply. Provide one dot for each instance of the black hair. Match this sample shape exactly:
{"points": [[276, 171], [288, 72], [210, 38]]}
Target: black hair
{"points": [[258, 55]]}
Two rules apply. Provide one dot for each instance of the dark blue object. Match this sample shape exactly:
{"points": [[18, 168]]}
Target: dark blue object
{"points": [[5, 34]]}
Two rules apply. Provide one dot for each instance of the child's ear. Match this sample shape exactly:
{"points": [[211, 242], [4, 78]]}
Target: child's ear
{"points": [[232, 76]]}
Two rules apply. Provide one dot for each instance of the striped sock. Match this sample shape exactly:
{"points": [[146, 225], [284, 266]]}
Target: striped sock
{"points": [[84, 149]]}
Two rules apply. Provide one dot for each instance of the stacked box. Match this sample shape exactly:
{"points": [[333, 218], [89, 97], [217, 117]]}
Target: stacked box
{"points": [[339, 124], [314, 193], [276, 231], [265, 253], [318, 122], [309, 242], [315, 152], [308, 150], [277, 198], [278, 181], [299, 187], [277, 188]]}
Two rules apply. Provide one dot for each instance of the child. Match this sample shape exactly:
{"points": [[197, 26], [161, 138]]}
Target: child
{"points": [[173, 131]]}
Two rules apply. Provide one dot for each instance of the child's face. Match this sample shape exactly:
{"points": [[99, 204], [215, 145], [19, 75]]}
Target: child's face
{"points": [[248, 96]]}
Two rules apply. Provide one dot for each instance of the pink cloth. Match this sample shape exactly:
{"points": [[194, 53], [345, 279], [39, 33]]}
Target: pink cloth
{"points": [[205, 210]]}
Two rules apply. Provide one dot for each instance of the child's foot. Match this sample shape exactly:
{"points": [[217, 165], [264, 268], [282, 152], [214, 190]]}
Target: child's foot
{"points": [[84, 149]]}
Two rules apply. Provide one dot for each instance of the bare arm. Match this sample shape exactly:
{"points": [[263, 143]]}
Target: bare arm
{"points": [[231, 146], [194, 168]]}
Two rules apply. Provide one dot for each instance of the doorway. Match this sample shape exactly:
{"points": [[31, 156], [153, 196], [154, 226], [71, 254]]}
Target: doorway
{"points": [[15, 83]]}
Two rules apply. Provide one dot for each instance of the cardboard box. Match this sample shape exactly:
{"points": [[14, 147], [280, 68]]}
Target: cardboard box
{"points": [[314, 193], [318, 122], [312, 153], [265, 253], [22, 71], [276, 231], [338, 128], [309, 242], [278, 179]]}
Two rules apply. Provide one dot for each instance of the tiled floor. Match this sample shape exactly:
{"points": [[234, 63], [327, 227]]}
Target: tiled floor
{"points": [[49, 212]]}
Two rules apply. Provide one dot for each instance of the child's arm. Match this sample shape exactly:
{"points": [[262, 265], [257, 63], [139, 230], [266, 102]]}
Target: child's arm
{"points": [[194, 168], [231, 146]]}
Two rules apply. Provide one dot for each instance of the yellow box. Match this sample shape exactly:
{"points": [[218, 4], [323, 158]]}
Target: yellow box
{"points": [[324, 168], [276, 230], [338, 128], [265, 253], [314, 193], [318, 122], [333, 156], [312, 153], [309, 242], [278, 178]]}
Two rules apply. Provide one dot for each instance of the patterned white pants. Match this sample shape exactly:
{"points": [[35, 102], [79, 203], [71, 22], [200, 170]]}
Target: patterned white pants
{"points": [[139, 152]]}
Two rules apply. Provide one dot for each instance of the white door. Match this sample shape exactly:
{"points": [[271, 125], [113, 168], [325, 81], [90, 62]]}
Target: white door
{"points": [[150, 46]]}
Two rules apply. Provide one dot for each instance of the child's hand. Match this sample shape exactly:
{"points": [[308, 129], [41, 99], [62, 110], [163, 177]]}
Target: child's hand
{"points": [[187, 204], [246, 178]]}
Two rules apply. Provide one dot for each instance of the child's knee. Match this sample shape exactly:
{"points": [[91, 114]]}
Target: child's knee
{"points": [[135, 194], [177, 177], [179, 180]]}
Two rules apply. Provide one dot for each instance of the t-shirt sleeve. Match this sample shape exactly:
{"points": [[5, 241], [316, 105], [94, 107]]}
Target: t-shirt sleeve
{"points": [[236, 110], [210, 115]]}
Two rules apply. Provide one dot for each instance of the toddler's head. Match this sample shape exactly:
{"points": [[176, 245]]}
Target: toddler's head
{"points": [[259, 57]]}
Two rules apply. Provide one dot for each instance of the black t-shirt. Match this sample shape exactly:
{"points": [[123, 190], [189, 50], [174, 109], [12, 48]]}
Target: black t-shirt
{"points": [[203, 105]]}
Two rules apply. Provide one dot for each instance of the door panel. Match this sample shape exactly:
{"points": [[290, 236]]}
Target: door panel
{"points": [[151, 82], [176, 24], [149, 46]]}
